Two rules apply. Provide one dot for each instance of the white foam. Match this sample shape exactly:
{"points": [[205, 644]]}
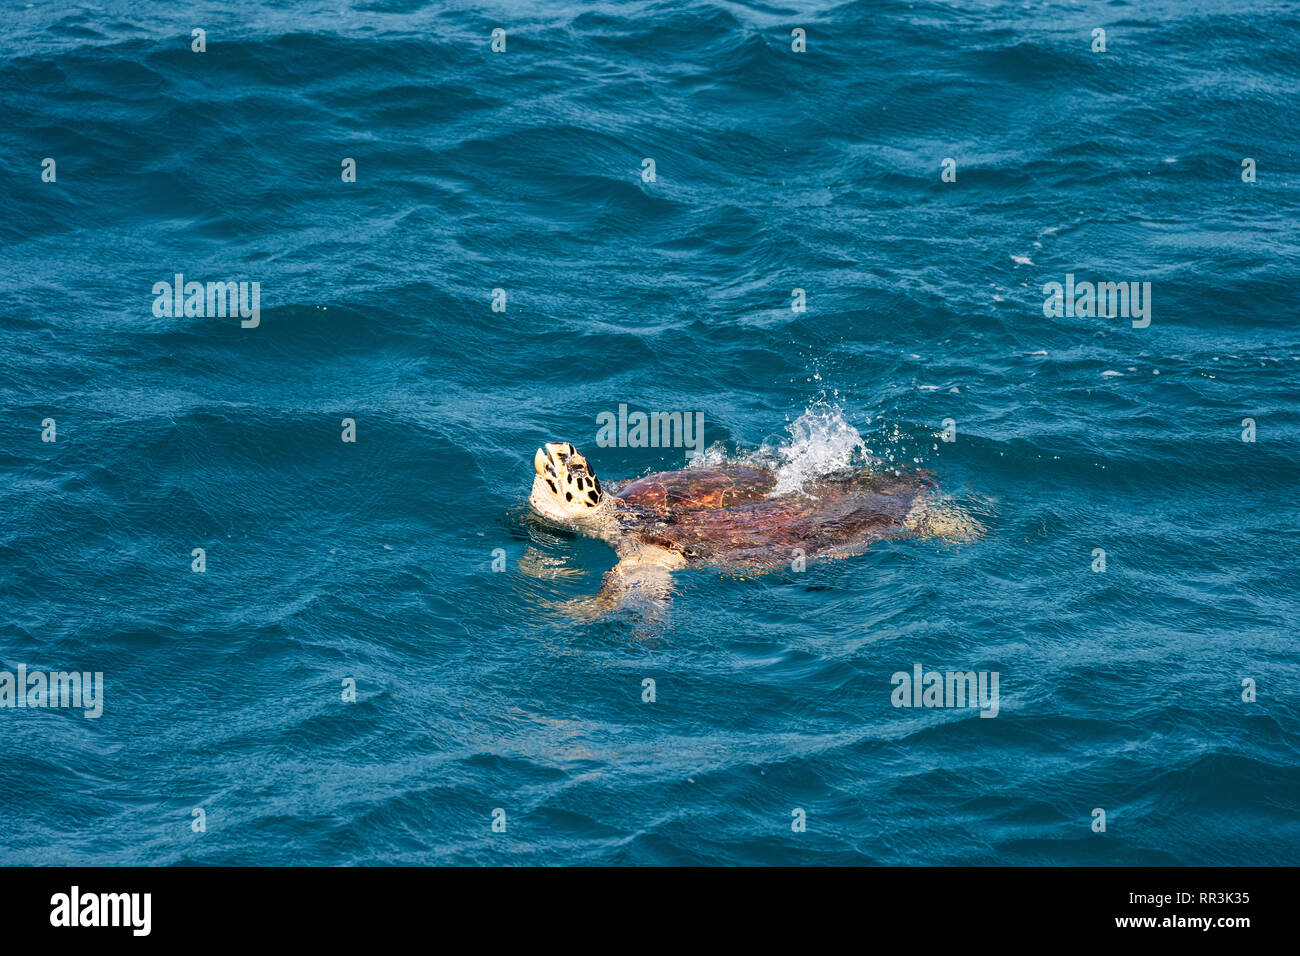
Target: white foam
{"points": [[822, 442], [711, 457]]}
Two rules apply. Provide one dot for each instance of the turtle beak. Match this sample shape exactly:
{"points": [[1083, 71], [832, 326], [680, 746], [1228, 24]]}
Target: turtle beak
{"points": [[539, 461]]}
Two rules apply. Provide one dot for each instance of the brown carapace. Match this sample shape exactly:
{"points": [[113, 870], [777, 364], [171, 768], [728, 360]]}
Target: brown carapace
{"points": [[729, 518]]}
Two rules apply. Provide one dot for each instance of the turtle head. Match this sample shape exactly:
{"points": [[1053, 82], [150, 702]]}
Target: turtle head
{"points": [[565, 489]]}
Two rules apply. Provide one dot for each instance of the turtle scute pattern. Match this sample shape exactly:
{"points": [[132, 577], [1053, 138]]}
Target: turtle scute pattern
{"points": [[730, 521], [698, 489]]}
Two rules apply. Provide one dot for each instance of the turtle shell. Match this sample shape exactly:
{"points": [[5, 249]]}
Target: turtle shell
{"points": [[701, 520], [698, 489]]}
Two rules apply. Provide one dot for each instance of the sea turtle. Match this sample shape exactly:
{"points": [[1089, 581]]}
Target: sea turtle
{"points": [[726, 517]]}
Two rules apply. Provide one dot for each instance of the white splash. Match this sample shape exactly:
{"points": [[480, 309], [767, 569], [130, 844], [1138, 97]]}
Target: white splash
{"points": [[822, 442], [712, 457]]}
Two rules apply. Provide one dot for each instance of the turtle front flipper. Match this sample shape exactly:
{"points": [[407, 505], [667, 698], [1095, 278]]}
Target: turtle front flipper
{"points": [[640, 584]]}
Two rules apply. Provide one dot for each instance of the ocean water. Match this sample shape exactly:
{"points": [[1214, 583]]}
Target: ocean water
{"points": [[487, 695]]}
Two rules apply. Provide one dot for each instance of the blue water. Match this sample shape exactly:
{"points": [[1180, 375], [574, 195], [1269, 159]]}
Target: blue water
{"points": [[479, 690]]}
